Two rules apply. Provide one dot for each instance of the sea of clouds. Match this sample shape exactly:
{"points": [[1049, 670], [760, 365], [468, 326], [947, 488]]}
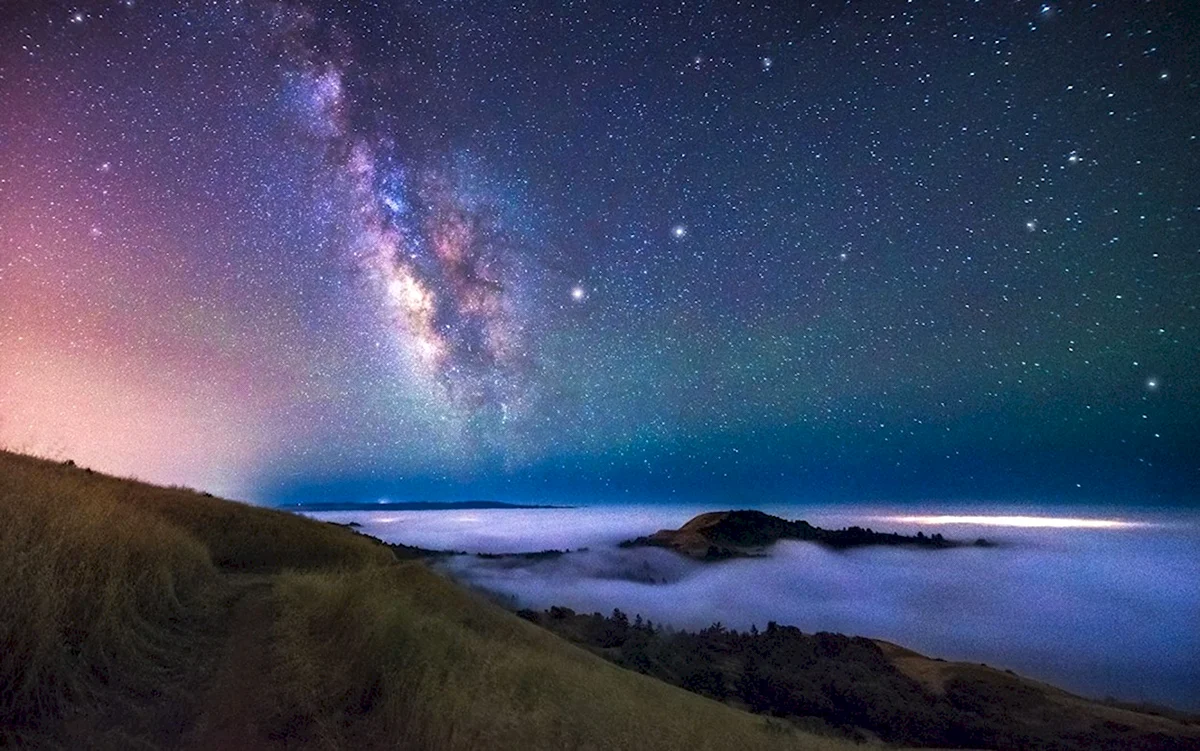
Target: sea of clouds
{"points": [[1108, 611]]}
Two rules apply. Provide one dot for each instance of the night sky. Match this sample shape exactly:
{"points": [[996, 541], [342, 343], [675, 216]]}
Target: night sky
{"points": [[593, 251]]}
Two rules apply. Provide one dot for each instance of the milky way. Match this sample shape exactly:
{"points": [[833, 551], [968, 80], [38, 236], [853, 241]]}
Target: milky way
{"points": [[435, 253], [738, 252]]}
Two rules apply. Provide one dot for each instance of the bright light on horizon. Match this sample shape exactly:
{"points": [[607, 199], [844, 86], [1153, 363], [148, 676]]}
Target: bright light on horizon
{"points": [[1053, 522]]}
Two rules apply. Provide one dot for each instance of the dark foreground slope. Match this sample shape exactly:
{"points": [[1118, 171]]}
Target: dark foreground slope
{"points": [[866, 689], [139, 617]]}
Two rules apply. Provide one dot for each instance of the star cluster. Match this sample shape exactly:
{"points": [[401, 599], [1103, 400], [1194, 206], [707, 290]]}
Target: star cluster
{"points": [[296, 248]]}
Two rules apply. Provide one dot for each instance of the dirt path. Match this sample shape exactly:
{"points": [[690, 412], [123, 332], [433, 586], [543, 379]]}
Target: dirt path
{"points": [[233, 700]]}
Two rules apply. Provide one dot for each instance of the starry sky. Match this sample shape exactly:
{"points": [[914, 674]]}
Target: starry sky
{"points": [[293, 250]]}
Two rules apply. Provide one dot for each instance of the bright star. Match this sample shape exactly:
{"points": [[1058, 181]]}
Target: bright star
{"points": [[1031, 225], [1152, 384], [679, 231], [578, 294]]}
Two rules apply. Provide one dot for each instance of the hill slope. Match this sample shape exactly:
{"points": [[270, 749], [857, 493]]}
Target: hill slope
{"points": [[869, 689], [145, 617]]}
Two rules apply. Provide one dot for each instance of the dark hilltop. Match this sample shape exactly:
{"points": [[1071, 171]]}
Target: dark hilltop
{"points": [[719, 535]]}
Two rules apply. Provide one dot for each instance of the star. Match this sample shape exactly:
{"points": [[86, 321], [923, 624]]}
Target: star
{"points": [[360, 206]]}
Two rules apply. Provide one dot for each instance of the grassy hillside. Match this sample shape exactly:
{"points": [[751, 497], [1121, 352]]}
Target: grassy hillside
{"points": [[445, 670], [113, 596], [869, 689], [142, 617], [101, 602]]}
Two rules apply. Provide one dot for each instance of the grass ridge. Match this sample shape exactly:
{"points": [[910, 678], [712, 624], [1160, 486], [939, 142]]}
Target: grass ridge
{"points": [[116, 599]]}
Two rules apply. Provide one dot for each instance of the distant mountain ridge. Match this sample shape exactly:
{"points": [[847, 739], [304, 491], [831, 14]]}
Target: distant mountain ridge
{"points": [[412, 506], [718, 535]]}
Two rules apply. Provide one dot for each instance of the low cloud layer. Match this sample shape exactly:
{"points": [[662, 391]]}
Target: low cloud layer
{"points": [[1099, 611]]}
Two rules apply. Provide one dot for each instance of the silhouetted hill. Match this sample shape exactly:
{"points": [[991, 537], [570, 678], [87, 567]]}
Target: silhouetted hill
{"points": [[718, 535]]}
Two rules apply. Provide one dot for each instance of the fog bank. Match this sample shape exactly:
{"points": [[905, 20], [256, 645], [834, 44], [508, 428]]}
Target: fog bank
{"points": [[1101, 604]]}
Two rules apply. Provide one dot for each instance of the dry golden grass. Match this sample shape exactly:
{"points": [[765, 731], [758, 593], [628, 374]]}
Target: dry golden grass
{"points": [[110, 596], [116, 600], [1068, 709], [401, 657], [96, 596]]}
